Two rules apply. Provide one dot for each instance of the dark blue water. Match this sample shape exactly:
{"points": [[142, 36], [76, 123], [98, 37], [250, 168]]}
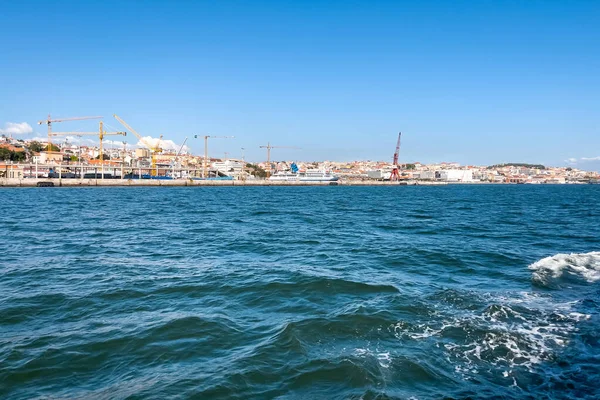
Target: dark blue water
{"points": [[294, 293]]}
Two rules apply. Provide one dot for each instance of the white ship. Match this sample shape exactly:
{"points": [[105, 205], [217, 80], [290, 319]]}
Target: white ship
{"points": [[310, 175]]}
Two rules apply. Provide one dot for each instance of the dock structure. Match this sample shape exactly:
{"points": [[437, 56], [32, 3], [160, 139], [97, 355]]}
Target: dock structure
{"points": [[77, 175], [55, 182], [73, 175]]}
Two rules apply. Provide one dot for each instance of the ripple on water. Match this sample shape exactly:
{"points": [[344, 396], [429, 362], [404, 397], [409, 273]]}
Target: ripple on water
{"points": [[345, 292]]}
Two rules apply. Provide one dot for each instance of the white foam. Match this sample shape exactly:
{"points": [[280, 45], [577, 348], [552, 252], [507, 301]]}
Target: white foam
{"points": [[579, 316], [516, 331], [384, 359], [586, 265]]}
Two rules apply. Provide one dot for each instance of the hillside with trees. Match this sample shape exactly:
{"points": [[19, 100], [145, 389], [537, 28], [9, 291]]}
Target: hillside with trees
{"points": [[524, 165]]}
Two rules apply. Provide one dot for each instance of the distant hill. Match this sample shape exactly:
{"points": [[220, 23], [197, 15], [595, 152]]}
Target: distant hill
{"points": [[534, 166]]}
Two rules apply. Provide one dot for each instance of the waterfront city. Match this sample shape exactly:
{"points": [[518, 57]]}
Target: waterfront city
{"points": [[289, 200], [25, 159]]}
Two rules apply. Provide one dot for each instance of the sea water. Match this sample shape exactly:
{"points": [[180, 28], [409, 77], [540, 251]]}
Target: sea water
{"points": [[460, 291]]}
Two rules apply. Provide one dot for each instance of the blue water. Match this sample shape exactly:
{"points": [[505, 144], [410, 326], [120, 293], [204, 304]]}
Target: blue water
{"points": [[300, 292]]}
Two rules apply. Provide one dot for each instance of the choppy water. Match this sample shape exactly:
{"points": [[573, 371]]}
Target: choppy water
{"points": [[333, 292]]}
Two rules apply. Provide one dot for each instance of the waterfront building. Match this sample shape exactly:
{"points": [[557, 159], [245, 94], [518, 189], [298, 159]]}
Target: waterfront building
{"points": [[142, 153], [48, 157], [454, 175], [11, 171], [228, 167]]}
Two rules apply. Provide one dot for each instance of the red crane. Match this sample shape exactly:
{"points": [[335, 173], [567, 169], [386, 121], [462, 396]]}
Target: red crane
{"points": [[395, 174]]}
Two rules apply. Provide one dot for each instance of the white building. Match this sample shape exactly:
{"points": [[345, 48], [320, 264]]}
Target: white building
{"points": [[380, 174], [454, 175], [142, 153], [430, 175], [48, 157], [228, 167]]}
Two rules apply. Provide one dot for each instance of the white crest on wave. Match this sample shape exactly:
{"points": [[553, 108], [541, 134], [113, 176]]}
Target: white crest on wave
{"points": [[586, 265], [515, 331]]}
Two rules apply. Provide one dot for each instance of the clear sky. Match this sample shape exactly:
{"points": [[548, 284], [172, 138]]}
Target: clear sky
{"points": [[476, 82]]}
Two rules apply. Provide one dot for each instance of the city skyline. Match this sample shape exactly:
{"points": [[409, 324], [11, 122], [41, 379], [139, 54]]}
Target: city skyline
{"points": [[474, 83], [231, 151]]}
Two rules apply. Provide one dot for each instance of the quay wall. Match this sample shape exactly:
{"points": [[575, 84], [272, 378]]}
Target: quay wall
{"points": [[32, 182]]}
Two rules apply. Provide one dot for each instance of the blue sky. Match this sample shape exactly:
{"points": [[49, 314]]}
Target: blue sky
{"points": [[476, 82]]}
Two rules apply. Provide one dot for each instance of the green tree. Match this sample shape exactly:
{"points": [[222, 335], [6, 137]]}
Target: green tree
{"points": [[410, 166], [4, 154], [52, 147], [256, 170], [36, 147], [17, 156], [9, 155], [525, 165]]}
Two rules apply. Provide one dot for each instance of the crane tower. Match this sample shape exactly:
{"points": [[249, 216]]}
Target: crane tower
{"points": [[269, 147], [395, 174]]}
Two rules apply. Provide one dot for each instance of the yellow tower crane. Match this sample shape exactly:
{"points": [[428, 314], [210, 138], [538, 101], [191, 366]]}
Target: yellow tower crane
{"points": [[157, 149], [154, 149], [49, 122], [101, 133], [269, 147]]}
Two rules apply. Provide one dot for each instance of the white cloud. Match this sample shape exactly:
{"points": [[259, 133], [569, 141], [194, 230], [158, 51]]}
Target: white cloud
{"points": [[17, 128], [40, 139], [582, 159], [70, 139], [164, 144], [61, 140], [112, 143]]}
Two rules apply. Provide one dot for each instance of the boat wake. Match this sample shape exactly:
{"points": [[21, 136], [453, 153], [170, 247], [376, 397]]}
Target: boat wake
{"points": [[515, 337], [510, 334], [555, 271]]}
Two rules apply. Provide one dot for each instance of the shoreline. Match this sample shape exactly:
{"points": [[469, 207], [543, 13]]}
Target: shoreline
{"points": [[56, 182]]}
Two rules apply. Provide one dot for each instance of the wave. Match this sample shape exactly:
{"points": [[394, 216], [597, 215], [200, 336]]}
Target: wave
{"points": [[309, 286], [509, 335], [552, 271]]}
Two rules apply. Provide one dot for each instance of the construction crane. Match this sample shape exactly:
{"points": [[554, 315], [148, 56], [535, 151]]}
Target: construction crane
{"points": [[206, 137], [49, 122], [157, 149], [395, 176], [181, 147], [243, 164], [154, 149], [269, 147], [123, 159], [175, 160], [101, 133]]}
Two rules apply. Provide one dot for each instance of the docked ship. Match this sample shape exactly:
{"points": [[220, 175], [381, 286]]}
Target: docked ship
{"points": [[310, 175]]}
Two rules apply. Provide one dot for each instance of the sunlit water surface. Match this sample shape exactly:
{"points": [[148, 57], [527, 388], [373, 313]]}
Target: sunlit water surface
{"points": [[300, 292]]}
